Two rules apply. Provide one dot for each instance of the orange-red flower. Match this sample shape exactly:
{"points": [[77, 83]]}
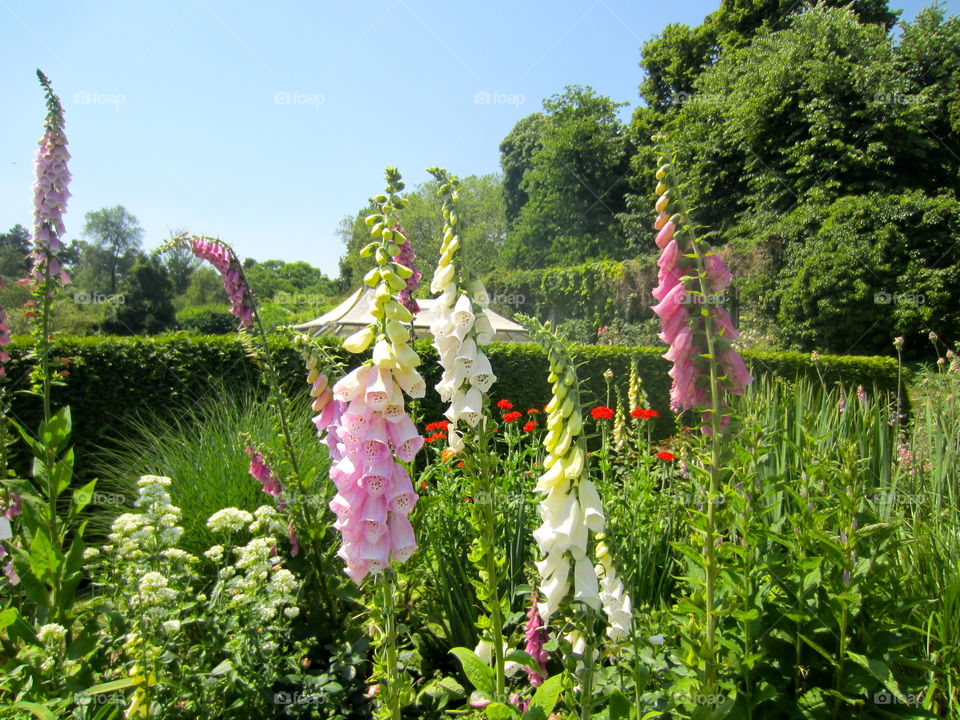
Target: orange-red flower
{"points": [[666, 455], [642, 414], [512, 416], [530, 426], [504, 404], [601, 412]]}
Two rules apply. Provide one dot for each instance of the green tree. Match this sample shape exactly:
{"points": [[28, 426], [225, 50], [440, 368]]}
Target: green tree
{"points": [[147, 305], [114, 248], [205, 288], [14, 246], [575, 184], [484, 229], [516, 156], [874, 267], [801, 115], [180, 264], [673, 60]]}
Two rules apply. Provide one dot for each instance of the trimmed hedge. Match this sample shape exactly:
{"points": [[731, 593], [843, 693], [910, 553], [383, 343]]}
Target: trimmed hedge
{"points": [[111, 378]]}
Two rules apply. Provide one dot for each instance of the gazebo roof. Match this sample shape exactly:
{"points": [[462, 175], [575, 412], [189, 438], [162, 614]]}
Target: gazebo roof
{"points": [[354, 313]]}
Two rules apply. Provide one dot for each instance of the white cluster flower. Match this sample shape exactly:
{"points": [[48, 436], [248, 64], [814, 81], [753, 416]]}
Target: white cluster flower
{"points": [[215, 553], [460, 327], [178, 555], [51, 635], [265, 519], [155, 590], [171, 627], [229, 520]]}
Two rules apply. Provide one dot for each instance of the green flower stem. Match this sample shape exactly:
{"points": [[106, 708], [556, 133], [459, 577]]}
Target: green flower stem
{"points": [[388, 587], [482, 484], [586, 689]]}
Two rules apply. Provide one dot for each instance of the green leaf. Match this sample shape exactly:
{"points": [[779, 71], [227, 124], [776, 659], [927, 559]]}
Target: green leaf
{"points": [[499, 711], [43, 556], [81, 498], [880, 671], [109, 687], [222, 669], [618, 707], [477, 672], [546, 695], [40, 711], [522, 658]]}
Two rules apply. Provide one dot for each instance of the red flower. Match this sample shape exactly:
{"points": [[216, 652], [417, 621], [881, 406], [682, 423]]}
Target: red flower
{"points": [[439, 425], [640, 413], [512, 416], [529, 427], [504, 404], [533, 411], [601, 413], [664, 455], [460, 464]]}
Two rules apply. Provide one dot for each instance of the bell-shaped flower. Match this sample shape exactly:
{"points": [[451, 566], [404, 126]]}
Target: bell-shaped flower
{"points": [[405, 439], [394, 409], [379, 388], [442, 278], [382, 358], [374, 446], [467, 354], [402, 541], [351, 385], [401, 497], [555, 571], [378, 477], [360, 340], [483, 329], [467, 406], [345, 473], [586, 589], [591, 506], [373, 518], [481, 373], [463, 317], [411, 381]]}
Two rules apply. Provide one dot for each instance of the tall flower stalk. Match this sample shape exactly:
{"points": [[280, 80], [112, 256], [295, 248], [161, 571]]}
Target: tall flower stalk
{"points": [[570, 537], [373, 441], [460, 330], [705, 364]]}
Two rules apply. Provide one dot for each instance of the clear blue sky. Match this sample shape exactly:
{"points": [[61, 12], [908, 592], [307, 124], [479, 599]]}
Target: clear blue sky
{"points": [[266, 124]]}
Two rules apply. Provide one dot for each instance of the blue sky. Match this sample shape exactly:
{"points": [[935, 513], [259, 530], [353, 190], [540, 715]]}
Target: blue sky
{"points": [[266, 125]]}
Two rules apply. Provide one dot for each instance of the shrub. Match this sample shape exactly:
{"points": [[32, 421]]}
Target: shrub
{"points": [[207, 319]]}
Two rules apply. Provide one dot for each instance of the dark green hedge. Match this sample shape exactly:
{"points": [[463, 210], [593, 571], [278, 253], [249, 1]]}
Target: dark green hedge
{"points": [[111, 378]]}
